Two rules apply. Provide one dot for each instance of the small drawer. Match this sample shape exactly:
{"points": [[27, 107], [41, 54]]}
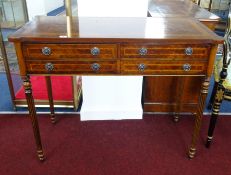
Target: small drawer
{"points": [[69, 51], [163, 68], [72, 67], [165, 52]]}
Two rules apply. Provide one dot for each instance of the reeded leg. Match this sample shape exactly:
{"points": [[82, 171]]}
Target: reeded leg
{"points": [[32, 115], [198, 118], [50, 98], [216, 108]]}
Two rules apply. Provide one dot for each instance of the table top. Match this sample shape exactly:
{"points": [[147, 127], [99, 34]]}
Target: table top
{"points": [[113, 29], [179, 8]]}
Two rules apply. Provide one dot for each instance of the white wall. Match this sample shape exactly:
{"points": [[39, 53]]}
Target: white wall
{"points": [[112, 8], [35, 8], [52, 4], [111, 97], [42, 7]]}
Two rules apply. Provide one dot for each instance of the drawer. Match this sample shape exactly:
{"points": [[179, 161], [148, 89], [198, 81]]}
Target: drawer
{"points": [[165, 51], [69, 51], [72, 67], [163, 67]]}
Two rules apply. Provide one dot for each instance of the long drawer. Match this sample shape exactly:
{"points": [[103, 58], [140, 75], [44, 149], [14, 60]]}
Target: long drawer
{"points": [[69, 51], [72, 67], [196, 52], [143, 67]]}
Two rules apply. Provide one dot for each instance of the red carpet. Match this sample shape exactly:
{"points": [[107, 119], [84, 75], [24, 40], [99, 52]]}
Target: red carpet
{"points": [[62, 88], [154, 145]]}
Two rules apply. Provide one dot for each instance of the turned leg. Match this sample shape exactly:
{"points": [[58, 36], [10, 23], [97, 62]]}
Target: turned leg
{"points": [[215, 111], [32, 115], [50, 98], [198, 117], [212, 97], [180, 90], [219, 96], [143, 91]]}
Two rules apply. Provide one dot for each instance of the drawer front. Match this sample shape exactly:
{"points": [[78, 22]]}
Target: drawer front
{"points": [[165, 51], [163, 67], [72, 67], [69, 51]]}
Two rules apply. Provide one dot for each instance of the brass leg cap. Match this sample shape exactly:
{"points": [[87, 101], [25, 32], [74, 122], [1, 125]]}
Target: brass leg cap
{"points": [[176, 118], [41, 155], [53, 119], [191, 153], [42, 159], [208, 142]]}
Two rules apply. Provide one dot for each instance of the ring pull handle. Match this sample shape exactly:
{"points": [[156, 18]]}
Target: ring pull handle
{"points": [[188, 51], [143, 51], [95, 51], [141, 67], [49, 67], [187, 67], [46, 51], [95, 67]]}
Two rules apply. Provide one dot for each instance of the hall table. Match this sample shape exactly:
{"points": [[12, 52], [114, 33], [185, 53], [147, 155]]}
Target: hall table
{"points": [[178, 47]]}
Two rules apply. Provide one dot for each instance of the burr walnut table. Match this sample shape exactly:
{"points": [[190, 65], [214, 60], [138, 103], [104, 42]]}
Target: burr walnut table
{"points": [[178, 47]]}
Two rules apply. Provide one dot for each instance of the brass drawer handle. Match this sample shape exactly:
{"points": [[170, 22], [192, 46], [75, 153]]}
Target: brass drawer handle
{"points": [[187, 67], [95, 51], [143, 51], [49, 67], [141, 67], [188, 51], [46, 51], [95, 67]]}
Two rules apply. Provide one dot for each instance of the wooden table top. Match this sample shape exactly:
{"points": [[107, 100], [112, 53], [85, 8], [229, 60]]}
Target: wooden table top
{"points": [[112, 29], [179, 8]]}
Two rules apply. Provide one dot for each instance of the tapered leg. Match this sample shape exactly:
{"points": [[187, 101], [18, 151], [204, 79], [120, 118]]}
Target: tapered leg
{"points": [[32, 114], [216, 108], [212, 97], [198, 118], [75, 92], [143, 91], [50, 98], [219, 96], [179, 97]]}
